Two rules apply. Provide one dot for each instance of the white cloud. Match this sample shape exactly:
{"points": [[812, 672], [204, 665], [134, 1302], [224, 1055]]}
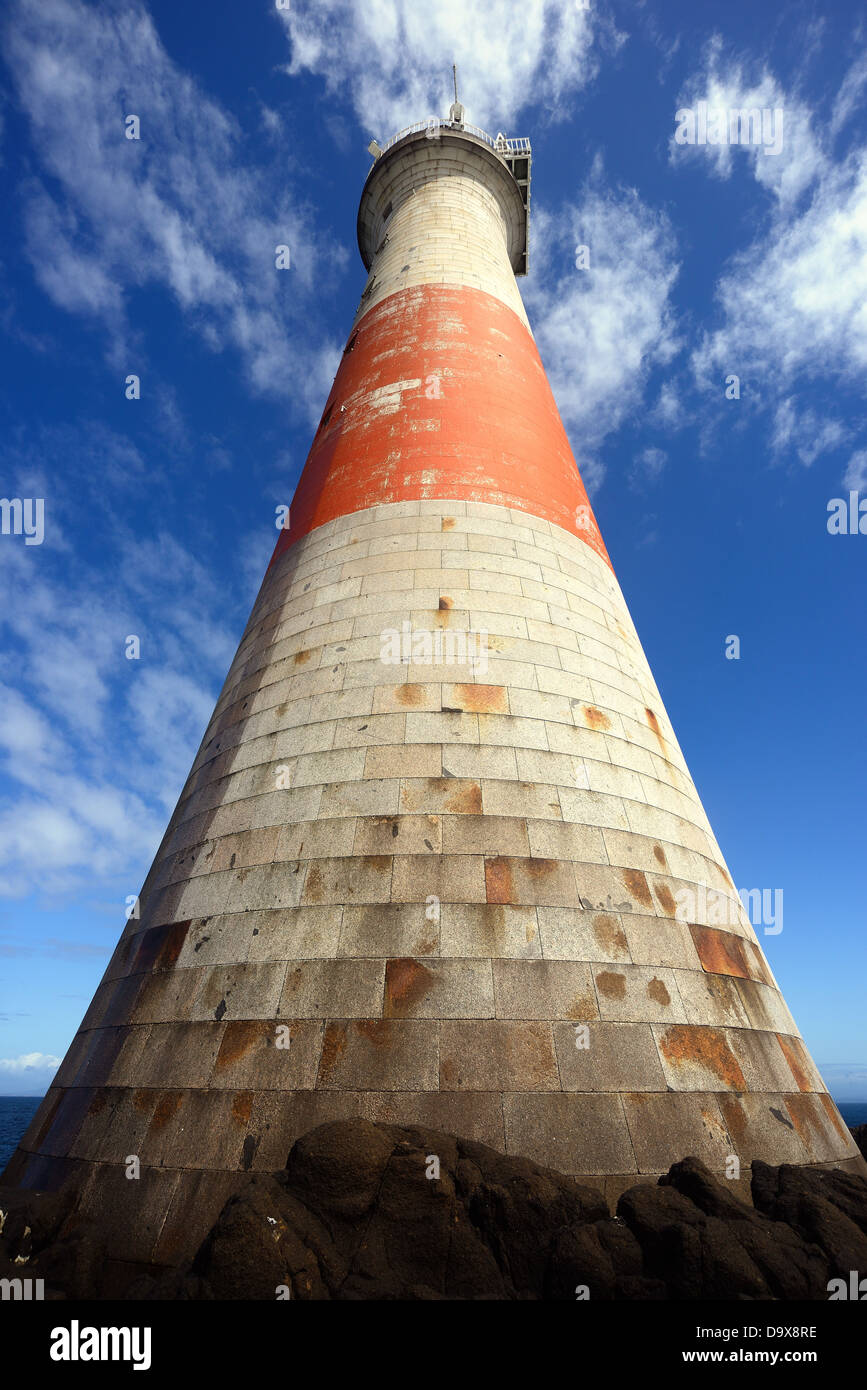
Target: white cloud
{"points": [[792, 305], [795, 303], [182, 208], [648, 465], [850, 98], [29, 1061], [77, 807], [393, 58], [805, 432], [170, 711], [601, 329], [855, 477], [724, 85], [669, 412]]}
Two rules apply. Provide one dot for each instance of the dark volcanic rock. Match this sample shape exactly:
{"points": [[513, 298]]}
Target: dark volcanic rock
{"points": [[826, 1207], [365, 1211], [703, 1243], [859, 1134], [40, 1239]]}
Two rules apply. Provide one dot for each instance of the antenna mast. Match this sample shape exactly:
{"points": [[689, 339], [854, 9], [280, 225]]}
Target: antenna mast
{"points": [[456, 115]]}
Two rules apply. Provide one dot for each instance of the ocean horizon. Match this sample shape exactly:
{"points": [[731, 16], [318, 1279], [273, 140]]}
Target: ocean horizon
{"points": [[16, 1112]]}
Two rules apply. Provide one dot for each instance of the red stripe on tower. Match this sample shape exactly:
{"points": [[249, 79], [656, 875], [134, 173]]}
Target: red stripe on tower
{"points": [[441, 393]]}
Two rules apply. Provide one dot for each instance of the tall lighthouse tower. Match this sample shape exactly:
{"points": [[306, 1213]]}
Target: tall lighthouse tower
{"points": [[439, 859]]}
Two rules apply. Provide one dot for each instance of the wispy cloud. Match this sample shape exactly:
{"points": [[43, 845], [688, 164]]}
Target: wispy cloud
{"points": [[648, 466], [805, 433], [725, 84], [855, 476], [76, 808], [602, 327], [393, 59], [791, 305], [183, 208]]}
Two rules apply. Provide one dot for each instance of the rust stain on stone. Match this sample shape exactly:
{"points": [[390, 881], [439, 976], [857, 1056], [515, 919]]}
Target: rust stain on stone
{"points": [[684, 1044], [406, 984], [659, 856], [665, 898], [333, 1048], [805, 1118], [375, 1030], [583, 1006], [609, 934], [242, 1107], [381, 863], [486, 699], [541, 868], [654, 724], [448, 523], [147, 949], [313, 888], [467, 801], [408, 694], [240, 1036], [658, 993], [171, 947], [97, 1104], [166, 1107], [834, 1116], [498, 880], [302, 658], [142, 1100], [711, 1123], [446, 602], [595, 718], [612, 984], [636, 884], [450, 1074], [793, 1051], [720, 952], [736, 1120]]}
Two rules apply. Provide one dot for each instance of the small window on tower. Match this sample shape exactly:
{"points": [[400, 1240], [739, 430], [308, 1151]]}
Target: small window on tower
{"points": [[386, 213], [351, 344]]}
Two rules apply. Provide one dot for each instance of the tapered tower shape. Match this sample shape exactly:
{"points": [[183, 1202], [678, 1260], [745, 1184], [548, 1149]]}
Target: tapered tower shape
{"points": [[426, 874]]}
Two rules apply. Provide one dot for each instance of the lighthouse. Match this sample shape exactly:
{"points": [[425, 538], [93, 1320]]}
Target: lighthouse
{"points": [[439, 859]]}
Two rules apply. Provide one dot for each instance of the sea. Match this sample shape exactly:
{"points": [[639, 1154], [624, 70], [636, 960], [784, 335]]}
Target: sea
{"points": [[16, 1112]]}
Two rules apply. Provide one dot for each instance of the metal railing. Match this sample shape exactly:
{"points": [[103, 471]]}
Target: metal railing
{"points": [[499, 144]]}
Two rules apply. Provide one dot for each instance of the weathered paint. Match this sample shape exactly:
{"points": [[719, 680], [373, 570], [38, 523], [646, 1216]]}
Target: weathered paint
{"points": [[443, 395]]}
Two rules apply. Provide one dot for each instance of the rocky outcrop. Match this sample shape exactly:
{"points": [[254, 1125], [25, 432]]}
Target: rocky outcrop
{"points": [[365, 1211], [859, 1134]]}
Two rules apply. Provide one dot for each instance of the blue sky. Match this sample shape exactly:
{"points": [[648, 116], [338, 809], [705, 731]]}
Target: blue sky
{"points": [[156, 258]]}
